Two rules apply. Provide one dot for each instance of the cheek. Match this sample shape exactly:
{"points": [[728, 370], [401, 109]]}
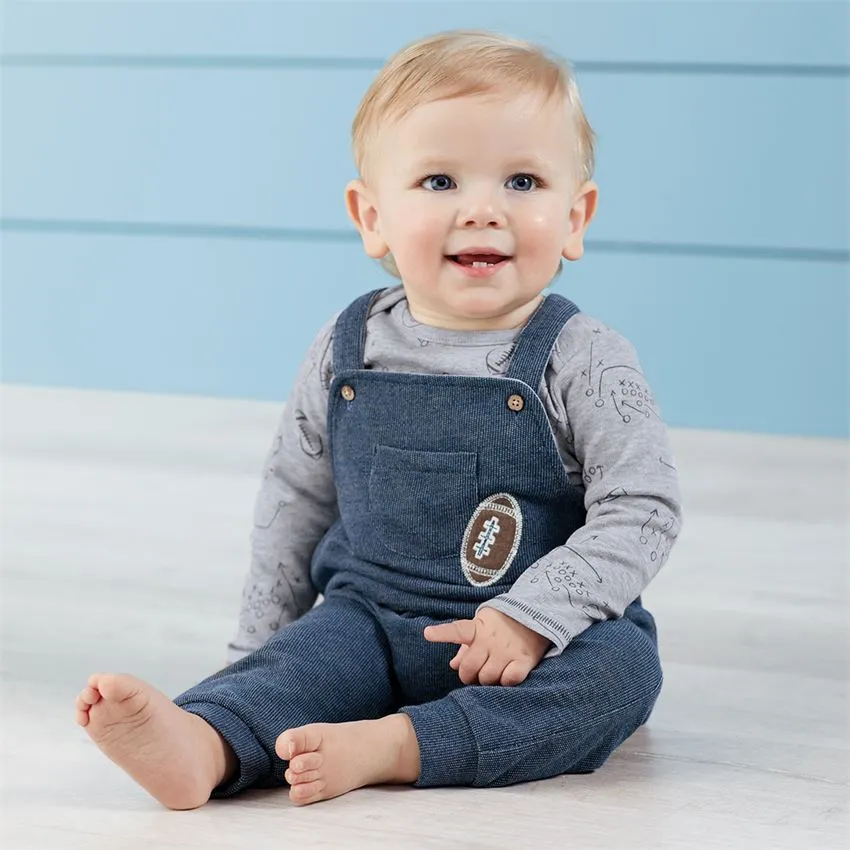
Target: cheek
{"points": [[419, 230], [544, 227]]}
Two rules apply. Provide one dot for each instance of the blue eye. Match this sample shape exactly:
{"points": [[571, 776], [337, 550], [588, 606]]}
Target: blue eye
{"points": [[443, 178], [524, 178], [442, 182]]}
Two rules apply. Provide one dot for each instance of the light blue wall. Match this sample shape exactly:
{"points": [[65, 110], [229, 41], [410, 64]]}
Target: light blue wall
{"points": [[173, 176]]}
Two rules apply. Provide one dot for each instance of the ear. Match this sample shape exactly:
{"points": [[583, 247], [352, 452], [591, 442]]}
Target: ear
{"points": [[581, 213], [363, 212]]}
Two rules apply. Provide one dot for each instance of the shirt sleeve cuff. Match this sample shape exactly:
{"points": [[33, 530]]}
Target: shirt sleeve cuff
{"points": [[546, 626]]}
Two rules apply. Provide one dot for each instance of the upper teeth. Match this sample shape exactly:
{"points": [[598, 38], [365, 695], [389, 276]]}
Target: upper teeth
{"points": [[478, 264]]}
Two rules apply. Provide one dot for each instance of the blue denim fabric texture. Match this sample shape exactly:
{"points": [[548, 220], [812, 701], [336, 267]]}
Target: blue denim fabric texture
{"points": [[414, 456]]}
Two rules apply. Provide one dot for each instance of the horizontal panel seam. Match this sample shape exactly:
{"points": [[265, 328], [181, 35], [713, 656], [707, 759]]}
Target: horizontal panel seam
{"points": [[224, 62], [292, 234]]}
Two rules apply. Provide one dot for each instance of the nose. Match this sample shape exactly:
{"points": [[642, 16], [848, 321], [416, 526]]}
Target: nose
{"points": [[481, 207]]}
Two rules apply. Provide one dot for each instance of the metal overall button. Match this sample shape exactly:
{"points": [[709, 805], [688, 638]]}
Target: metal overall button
{"points": [[516, 402], [347, 393]]}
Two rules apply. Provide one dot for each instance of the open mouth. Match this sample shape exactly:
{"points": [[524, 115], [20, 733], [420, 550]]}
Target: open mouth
{"points": [[478, 261]]}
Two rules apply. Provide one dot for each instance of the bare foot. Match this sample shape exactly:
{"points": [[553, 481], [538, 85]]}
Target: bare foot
{"points": [[175, 756], [329, 759]]}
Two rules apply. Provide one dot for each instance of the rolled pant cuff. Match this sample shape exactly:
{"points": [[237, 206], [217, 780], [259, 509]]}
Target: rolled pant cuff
{"points": [[447, 749], [254, 762]]}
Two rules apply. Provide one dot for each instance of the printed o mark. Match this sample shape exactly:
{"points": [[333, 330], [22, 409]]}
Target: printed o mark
{"points": [[310, 442], [280, 507]]}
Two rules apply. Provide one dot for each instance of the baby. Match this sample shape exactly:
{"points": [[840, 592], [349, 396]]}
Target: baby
{"points": [[473, 474]]}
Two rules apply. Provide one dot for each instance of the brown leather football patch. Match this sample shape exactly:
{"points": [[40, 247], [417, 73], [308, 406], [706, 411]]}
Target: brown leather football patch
{"points": [[491, 539]]}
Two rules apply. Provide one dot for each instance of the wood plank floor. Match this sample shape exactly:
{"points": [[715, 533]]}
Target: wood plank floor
{"points": [[124, 541]]}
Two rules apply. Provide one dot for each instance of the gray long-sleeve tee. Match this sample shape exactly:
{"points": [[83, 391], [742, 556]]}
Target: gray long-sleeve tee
{"points": [[608, 431]]}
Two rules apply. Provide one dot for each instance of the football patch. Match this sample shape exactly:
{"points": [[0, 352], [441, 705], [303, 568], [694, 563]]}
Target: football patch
{"points": [[491, 539]]}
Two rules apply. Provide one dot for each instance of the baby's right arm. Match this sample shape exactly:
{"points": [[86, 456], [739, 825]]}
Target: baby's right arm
{"points": [[296, 505]]}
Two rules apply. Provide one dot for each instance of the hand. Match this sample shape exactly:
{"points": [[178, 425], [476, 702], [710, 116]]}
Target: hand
{"points": [[495, 649]]}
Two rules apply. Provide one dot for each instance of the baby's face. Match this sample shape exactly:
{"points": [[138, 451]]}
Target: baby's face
{"points": [[480, 173]]}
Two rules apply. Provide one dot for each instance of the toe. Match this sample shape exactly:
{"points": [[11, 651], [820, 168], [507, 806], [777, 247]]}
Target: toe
{"points": [[284, 746], [306, 761], [304, 739], [118, 688], [305, 793], [301, 778]]}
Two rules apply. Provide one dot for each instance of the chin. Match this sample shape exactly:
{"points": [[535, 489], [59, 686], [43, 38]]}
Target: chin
{"points": [[489, 298], [480, 305]]}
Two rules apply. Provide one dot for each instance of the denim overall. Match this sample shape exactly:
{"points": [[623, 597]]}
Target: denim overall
{"points": [[414, 458]]}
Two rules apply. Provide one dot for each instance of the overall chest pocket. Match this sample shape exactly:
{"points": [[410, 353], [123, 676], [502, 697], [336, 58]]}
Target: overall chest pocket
{"points": [[420, 502]]}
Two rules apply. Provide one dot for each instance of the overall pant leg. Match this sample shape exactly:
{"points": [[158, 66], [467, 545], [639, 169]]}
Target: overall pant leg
{"points": [[330, 666], [568, 716]]}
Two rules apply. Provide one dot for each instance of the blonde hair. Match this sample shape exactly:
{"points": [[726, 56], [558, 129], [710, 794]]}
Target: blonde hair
{"points": [[460, 63]]}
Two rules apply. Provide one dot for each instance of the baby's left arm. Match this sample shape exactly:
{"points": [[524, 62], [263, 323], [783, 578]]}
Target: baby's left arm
{"points": [[613, 429]]}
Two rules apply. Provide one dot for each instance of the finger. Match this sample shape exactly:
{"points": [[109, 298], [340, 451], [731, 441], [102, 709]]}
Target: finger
{"points": [[491, 672], [458, 631], [455, 662], [472, 662], [516, 672], [89, 695]]}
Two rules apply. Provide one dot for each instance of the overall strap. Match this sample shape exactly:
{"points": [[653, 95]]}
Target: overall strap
{"points": [[534, 343], [349, 338]]}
